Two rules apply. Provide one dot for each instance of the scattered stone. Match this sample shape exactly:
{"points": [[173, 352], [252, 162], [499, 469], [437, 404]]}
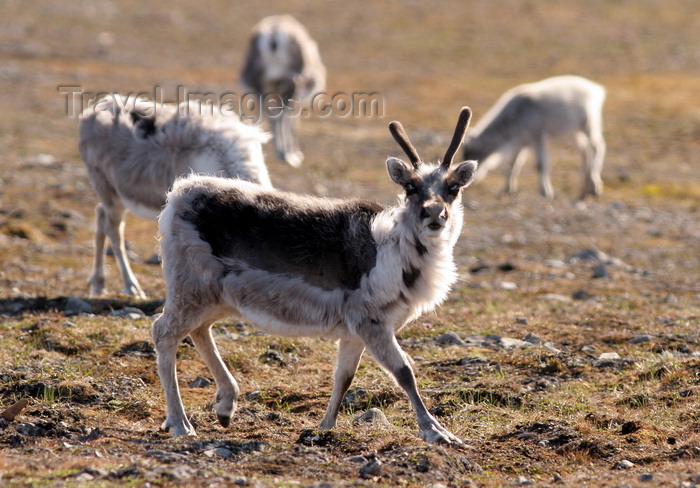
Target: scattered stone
{"points": [[625, 464], [589, 348], [371, 416], [521, 321], [555, 263], [557, 478], [510, 343], [357, 459], [646, 477], [582, 295], [609, 356], [533, 339], [142, 349], [76, 306], [507, 285], [640, 339], [272, 356], [600, 271], [42, 159], [29, 429], [449, 338], [523, 481], [200, 382], [222, 452], [555, 297], [253, 396], [353, 396], [371, 469], [130, 313], [13, 410], [182, 473]]}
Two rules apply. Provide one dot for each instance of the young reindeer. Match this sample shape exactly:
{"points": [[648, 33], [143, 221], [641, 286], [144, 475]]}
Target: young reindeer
{"points": [[133, 155], [527, 115], [299, 265], [283, 61]]}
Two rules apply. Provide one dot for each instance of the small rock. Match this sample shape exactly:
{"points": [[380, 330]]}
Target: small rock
{"points": [[521, 321], [29, 429], [222, 452], [600, 271], [557, 478], [449, 338], [200, 382], [588, 255], [640, 339], [130, 313], [510, 343], [589, 348], [581, 295], [608, 356], [273, 356], [76, 306], [371, 469], [372, 416], [358, 459], [253, 396], [524, 481], [625, 464], [353, 395], [506, 285], [555, 263], [83, 477], [555, 297], [43, 159], [532, 339], [646, 477]]}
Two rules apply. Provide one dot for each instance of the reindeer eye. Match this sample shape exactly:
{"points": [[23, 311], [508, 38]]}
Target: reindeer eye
{"points": [[453, 189]]}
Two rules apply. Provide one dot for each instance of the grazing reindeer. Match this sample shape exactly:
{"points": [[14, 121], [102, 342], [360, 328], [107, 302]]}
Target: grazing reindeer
{"points": [[133, 155], [298, 265], [525, 116], [283, 61]]}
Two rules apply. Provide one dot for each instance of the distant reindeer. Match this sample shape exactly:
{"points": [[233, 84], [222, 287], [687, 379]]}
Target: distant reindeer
{"points": [[134, 155], [298, 265], [283, 60], [527, 115]]}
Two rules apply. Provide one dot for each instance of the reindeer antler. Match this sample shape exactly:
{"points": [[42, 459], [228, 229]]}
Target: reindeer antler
{"points": [[465, 116], [399, 134]]}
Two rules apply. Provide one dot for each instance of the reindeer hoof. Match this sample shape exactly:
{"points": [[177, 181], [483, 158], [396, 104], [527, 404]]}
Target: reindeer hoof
{"points": [[438, 435], [177, 431]]}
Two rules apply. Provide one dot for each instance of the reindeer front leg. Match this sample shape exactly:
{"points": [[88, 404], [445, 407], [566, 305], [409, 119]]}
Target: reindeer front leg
{"points": [[382, 344]]}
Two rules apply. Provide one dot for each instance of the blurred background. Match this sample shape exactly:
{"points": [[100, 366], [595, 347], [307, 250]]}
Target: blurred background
{"points": [[426, 60]]}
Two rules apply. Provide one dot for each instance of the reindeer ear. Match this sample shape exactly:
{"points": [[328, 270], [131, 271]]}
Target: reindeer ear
{"points": [[399, 171], [463, 174]]}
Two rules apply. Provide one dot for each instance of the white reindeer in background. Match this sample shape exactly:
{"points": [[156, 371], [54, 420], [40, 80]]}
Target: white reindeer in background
{"points": [[298, 265], [133, 155], [283, 60], [527, 115]]}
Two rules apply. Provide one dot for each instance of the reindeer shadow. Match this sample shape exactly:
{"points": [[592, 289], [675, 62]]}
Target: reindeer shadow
{"points": [[15, 306]]}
